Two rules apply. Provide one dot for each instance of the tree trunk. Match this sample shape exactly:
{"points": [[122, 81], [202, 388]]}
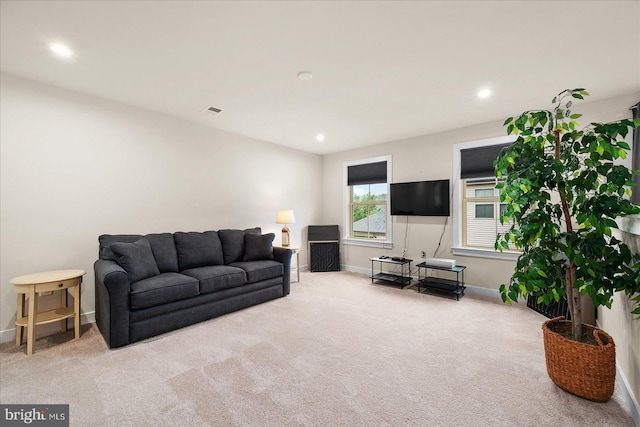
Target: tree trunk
{"points": [[573, 294]]}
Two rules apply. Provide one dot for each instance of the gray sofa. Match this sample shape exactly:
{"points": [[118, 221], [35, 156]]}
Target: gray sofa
{"points": [[148, 285]]}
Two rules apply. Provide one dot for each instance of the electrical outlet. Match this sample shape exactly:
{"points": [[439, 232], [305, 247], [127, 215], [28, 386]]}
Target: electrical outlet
{"points": [[423, 254]]}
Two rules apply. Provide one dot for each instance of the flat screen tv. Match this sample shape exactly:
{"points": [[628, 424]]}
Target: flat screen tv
{"points": [[423, 198]]}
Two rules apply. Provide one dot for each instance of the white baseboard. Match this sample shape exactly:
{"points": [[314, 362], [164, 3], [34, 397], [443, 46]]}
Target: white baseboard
{"points": [[354, 269], [10, 334], [629, 398], [483, 292]]}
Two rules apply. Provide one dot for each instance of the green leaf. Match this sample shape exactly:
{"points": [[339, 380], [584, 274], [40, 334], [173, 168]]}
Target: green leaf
{"points": [[622, 154], [600, 149], [509, 120], [542, 274], [624, 145], [576, 116]]}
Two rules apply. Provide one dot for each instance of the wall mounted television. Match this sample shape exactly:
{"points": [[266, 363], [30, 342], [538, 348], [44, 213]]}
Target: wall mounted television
{"points": [[423, 198]]}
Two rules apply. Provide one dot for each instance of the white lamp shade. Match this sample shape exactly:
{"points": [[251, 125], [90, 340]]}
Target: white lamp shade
{"points": [[285, 217]]}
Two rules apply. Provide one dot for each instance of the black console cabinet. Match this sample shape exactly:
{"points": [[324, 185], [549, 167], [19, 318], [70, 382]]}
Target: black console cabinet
{"points": [[455, 287], [324, 256], [324, 248]]}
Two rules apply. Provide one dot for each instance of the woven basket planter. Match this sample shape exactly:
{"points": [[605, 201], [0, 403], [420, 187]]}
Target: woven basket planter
{"points": [[588, 371]]}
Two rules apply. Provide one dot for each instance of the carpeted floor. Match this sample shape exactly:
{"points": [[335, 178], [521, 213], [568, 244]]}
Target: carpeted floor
{"points": [[338, 351]]}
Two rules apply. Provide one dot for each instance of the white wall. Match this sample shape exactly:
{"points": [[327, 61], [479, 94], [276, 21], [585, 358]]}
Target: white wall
{"points": [[430, 157], [75, 166], [425, 157]]}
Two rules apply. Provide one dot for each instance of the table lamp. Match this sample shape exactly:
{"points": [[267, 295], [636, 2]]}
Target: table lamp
{"points": [[285, 217]]}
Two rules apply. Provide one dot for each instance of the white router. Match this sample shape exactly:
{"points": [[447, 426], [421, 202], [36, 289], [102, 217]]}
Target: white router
{"points": [[441, 262]]}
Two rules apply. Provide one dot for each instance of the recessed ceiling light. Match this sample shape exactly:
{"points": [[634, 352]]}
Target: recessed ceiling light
{"points": [[61, 50], [484, 93], [320, 137], [305, 75]]}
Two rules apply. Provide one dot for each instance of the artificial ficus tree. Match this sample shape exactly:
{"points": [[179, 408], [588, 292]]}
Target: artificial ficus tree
{"points": [[564, 188]]}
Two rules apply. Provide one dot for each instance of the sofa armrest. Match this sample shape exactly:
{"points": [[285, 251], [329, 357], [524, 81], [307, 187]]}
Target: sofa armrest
{"points": [[112, 302], [283, 255]]}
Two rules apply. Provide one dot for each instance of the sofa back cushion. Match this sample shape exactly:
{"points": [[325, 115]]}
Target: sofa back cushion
{"points": [[164, 251], [198, 249], [162, 246], [105, 241], [233, 243], [136, 258]]}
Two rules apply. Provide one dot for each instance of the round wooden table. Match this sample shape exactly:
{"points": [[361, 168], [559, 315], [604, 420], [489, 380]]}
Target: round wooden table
{"points": [[30, 285]]}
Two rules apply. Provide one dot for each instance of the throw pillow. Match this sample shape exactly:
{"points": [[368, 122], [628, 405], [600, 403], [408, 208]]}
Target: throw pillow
{"points": [[136, 258], [258, 246]]}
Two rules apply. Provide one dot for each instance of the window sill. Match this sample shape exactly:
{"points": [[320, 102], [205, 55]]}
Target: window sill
{"points": [[486, 253], [371, 243]]}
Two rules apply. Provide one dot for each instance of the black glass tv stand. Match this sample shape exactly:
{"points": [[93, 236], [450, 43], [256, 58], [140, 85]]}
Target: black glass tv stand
{"points": [[401, 279], [427, 282]]}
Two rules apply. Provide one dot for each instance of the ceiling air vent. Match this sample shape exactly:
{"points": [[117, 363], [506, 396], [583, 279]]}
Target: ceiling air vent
{"points": [[211, 110]]}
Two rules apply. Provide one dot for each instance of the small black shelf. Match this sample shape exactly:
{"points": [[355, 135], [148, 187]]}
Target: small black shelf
{"points": [[393, 278], [455, 287], [397, 279]]}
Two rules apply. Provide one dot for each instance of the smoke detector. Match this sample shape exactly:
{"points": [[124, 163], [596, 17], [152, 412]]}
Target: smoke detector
{"points": [[305, 75]]}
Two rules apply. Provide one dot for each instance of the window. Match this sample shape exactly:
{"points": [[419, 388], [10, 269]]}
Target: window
{"points": [[476, 202], [484, 192], [484, 210], [367, 220], [369, 211], [481, 201]]}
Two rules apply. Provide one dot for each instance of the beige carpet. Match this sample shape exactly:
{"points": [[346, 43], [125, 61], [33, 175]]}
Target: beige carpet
{"points": [[338, 351]]}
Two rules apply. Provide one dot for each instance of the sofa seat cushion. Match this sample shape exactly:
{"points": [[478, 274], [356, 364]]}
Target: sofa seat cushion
{"points": [[217, 277], [260, 270], [161, 289]]}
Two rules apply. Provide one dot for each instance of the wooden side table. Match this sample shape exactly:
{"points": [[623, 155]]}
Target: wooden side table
{"points": [[296, 251], [30, 285]]}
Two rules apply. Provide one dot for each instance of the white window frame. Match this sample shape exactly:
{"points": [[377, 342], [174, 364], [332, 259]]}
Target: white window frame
{"points": [[457, 246], [372, 243]]}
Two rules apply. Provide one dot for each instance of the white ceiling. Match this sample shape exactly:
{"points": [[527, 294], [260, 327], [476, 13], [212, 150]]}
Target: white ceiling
{"points": [[382, 71]]}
